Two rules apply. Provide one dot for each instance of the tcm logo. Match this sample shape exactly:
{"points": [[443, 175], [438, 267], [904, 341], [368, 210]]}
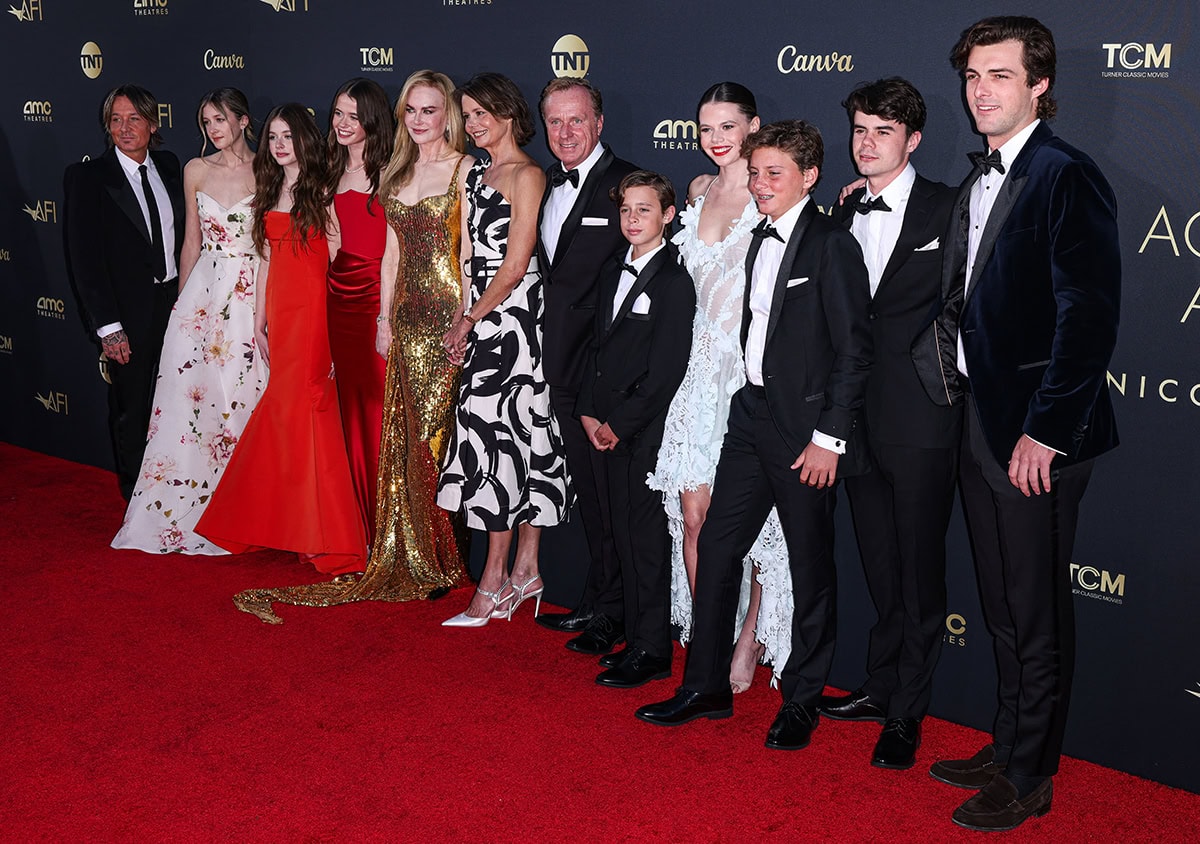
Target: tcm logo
{"points": [[150, 7], [91, 62], [230, 62], [37, 111], [287, 5], [164, 116], [377, 59], [1138, 56], [676, 134], [5, 344], [1096, 583], [51, 308], [30, 10], [791, 60], [570, 57], [956, 631], [56, 402], [43, 212]]}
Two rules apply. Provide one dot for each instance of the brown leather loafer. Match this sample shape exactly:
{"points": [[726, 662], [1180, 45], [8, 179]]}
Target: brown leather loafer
{"points": [[974, 773], [997, 808]]}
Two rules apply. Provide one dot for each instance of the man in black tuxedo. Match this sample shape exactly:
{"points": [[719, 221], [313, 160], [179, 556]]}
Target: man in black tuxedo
{"points": [[792, 433], [1032, 285], [578, 233], [124, 227], [902, 505]]}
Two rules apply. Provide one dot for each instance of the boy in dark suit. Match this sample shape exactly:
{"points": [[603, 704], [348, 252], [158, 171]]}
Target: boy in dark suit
{"points": [[642, 340]]}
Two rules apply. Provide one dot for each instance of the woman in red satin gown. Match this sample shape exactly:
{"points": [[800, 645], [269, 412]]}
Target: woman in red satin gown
{"points": [[358, 145], [288, 483]]}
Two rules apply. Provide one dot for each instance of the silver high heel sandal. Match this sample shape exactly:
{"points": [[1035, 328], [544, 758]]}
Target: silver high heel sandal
{"points": [[522, 592], [498, 599]]}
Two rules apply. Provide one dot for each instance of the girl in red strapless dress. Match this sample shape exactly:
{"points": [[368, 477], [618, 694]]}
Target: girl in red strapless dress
{"points": [[288, 484], [358, 146]]}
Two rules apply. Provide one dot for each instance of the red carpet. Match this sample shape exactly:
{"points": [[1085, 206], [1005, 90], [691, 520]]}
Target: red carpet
{"points": [[141, 706]]}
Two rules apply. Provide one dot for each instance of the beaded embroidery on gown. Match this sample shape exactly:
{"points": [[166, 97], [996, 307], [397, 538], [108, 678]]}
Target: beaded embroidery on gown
{"points": [[697, 421], [209, 380]]}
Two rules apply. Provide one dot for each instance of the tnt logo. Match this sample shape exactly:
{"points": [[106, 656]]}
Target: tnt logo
{"points": [[164, 116], [377, 58], [37, 111], [91, 61], [30, 10], [1138, 56], [43, 212], [1097, 583], [53, 401], [570, 57]]}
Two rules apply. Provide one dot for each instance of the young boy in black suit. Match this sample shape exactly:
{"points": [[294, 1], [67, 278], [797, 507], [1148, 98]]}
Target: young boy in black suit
{"points": [[642, 340]]}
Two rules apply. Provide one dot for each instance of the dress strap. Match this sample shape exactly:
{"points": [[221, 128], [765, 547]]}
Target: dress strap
{"points": [[454, 178], [710, 184]]}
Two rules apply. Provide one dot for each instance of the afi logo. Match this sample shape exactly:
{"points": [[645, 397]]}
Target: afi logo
{"points": [[1094, 580], [43, 212], [56, 402], [286, 5], [30, 10], [376, 56], [1138, 56], [164, 115]]}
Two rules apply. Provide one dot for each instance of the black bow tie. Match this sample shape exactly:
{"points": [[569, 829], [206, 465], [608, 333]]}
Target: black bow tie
{"points": [[765, 229], [864, 206], [629, 268], [559, 177], [987, 163]]}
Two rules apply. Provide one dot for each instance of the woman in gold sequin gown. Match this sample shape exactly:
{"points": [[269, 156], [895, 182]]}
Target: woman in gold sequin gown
{"points": [[419, 548]]}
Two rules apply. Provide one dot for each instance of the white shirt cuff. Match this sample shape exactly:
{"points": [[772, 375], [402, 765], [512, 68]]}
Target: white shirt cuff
{"points": [[829, 443], [105, 330], [1043, 445]]}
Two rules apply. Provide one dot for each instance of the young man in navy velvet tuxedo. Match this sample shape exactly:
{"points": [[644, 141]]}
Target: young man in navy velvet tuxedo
{"points": [[902, 505], [1032, 285], [792, 433], [640, 347]]}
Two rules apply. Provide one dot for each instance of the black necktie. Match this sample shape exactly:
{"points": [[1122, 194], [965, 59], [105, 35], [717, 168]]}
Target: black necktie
{"points": [[867, 206], [629, 268], [559, 177], [156, 235], [987, 163], [765, 229]]}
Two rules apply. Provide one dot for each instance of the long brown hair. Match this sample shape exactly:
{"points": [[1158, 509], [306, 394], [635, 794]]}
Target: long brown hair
{"points": [[404, 152], [375, 115], [310, 198], [230, 102]]}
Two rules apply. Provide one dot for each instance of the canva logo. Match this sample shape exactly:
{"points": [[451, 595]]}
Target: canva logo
{"points": [[53, 401], [37, 111], [232, 61], [1169, 390], [377, 59], [43, 212], [5, 255], [287, 5], [791, 60], [91, 62], [51, 308], [570, 57], [30, 10], [956, 631], [1100, 584], [150, 7], [676, 134], [1135, 59]]}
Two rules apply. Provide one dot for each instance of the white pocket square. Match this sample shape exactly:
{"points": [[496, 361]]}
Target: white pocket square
{"points": [[930, 246], [641, 305], [793, 282], [594, 221]]}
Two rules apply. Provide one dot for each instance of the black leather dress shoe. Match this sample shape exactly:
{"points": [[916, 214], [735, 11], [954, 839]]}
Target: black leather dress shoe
{"points": [[600, 636], [974, 773], [566, 622], [686, 706], [898, 743], [998, 808], [637, 669], [613, 659], [793, 727], [856, 706]]}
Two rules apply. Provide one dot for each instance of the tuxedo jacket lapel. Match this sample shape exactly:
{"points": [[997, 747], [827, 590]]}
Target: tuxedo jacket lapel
{"points": [[751, 257], [1010, 190], [121, 191], [916, 214], [639, 285], [541, 246], [587, 192], [785, 268]]}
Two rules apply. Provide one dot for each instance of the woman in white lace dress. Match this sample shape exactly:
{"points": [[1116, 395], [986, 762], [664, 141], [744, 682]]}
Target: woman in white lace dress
{"points": [[713, 244]]}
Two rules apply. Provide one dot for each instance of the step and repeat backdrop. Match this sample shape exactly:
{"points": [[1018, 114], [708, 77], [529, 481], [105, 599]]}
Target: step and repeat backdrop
{"points": [[1129, 92]]}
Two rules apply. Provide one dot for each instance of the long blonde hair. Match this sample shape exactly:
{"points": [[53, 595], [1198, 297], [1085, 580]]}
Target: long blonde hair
{"points": [[404, 152]]}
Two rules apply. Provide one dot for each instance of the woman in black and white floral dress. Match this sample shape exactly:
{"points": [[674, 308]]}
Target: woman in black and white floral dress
{"points": [[505, 465]]}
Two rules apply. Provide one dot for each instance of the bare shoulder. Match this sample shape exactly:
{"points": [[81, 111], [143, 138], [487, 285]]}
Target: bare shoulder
{"points": [[699, 185]]}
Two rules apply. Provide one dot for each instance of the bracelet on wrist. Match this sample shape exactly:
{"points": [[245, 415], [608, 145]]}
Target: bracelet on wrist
{"points": [[467, 316], [381, 319]]}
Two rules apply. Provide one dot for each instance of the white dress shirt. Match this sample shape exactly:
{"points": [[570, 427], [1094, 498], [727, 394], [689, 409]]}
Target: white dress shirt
{"points": [[878, 231], [628, 278], [562, 200]]}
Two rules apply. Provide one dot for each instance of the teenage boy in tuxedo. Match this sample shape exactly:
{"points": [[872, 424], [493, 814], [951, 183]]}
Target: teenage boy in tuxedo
{"points": [[640, 348]]}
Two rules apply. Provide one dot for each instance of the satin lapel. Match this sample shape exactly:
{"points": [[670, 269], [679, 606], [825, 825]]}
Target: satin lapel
{"points": [[639, 285], [916, 214], [541, 247], [122, 193], [586, 193], [954, 254], [1010, 189], [785, 267], [751, 254], [606, 292]]}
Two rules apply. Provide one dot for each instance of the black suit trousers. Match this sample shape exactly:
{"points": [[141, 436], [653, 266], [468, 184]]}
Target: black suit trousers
{"points": [[602, 589], [754, 474], [901, 510], [1022, 550]]}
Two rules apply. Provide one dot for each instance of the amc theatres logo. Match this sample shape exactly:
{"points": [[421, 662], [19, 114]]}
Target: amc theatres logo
{"points": [[791, 60], [377, 59], [29, 11], [43, 212], [1097, 583], [37, 111], [570, 57], [287, 5], [150, 7], [53, 401], [51, 308], [676, 134], [956, 631]]}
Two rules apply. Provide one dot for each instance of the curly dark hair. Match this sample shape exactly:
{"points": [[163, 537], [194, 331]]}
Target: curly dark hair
{"points": [[310, 197], [796, 138], [1038, 53], [892, 99]]}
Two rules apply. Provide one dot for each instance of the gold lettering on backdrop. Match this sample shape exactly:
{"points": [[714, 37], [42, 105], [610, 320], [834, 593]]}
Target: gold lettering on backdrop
{"points": [[1167, 390], [791, 60], [231, 62]]}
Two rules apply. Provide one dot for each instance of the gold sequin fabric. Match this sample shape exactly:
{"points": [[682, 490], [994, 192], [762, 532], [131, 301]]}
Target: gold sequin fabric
{"points": [[419, 548]]}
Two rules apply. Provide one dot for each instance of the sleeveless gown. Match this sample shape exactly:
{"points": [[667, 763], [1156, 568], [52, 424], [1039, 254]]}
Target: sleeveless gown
{"points": [[209, 380], [419, 548], [697, 421], [353, 305], [288, 484], [506, 462]]}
